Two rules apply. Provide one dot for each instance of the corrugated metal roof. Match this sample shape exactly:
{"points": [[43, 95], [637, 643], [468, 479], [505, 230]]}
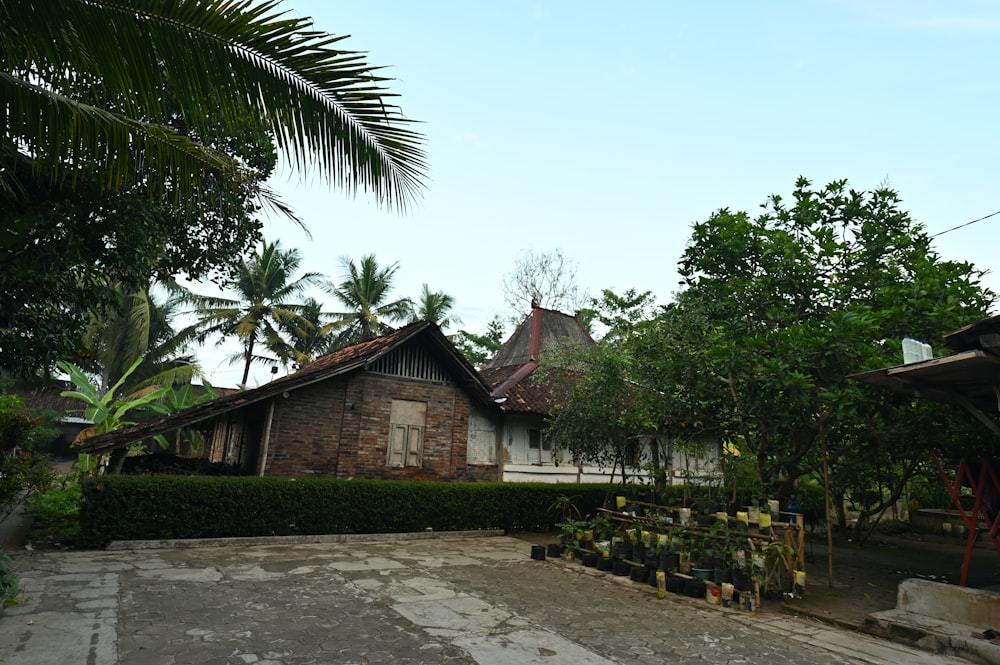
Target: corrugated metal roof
{"points": [[511, 371]]}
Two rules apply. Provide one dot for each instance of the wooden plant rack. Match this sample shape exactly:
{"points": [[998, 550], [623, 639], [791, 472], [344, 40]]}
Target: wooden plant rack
{"points": [[791, 533]]}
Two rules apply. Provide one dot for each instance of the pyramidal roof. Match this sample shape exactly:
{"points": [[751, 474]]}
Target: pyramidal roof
{"points": [[544, 331]]}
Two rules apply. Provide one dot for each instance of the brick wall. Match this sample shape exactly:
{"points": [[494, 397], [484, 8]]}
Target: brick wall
{"points": [[340, 428], [306, 430]]}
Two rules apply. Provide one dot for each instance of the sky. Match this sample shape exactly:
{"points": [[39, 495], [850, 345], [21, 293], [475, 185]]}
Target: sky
{"points": [[605, 130]]}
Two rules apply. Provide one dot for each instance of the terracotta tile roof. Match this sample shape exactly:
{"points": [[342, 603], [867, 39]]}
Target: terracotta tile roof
{"points": [[48, 397]]}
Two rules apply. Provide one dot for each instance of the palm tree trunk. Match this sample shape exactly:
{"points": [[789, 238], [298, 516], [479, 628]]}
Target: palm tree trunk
{"points": [[249, 359]]}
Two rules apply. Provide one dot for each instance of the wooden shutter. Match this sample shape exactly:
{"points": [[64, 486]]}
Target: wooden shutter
{"points": [[397, 445]]}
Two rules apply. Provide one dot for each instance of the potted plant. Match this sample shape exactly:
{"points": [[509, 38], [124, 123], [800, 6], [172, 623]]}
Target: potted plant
{"points": [[742, 571], [571, 535], [774, 569]]}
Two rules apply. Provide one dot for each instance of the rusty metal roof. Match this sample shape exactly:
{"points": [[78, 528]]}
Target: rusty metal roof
{"points": [[970, 376], [510, 372], [342, 361]]}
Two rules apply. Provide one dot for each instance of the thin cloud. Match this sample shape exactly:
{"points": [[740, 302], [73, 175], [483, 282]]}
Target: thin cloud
{"points": [[955, 23]]}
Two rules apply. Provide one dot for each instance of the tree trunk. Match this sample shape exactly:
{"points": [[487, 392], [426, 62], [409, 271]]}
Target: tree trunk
{"points": [[117, 460]]}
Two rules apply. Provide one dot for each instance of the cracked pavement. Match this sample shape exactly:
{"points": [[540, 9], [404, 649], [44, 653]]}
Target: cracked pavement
{"points": [[464, 601]]}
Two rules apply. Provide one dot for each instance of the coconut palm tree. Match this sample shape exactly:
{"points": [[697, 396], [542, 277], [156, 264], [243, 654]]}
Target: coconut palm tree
{"points": [[364, 292], [434, 306], [140, 326], [263, 307], [140, 133], [315, 339], [86, 85]]}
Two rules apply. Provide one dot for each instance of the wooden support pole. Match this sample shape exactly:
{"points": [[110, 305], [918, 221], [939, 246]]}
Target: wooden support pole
{"points": [[829, 517]]}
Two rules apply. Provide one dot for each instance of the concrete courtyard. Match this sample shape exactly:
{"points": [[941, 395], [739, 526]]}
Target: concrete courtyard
{"points": [[426, 598]]}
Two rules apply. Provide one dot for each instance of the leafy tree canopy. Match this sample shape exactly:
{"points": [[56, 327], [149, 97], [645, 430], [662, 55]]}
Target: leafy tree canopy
{"points": [[780, 309]]}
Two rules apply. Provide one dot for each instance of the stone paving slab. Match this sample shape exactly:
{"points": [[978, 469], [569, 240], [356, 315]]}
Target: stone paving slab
{"points": [[463, 601]]}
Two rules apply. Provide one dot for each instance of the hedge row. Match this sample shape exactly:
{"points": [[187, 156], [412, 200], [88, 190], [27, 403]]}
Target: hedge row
{"points": [[162, 507]]}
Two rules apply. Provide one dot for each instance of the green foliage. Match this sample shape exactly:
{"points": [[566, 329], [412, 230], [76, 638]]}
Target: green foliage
{"points": [[434, 306], [158, 507], [364, 292], [106, 411], [11, 591], [479, 349], [573, 531], [178, 398], [601, 416], [56, 513], [21, 472], [137, 137], [779, 310], [16, 423], [139, 325], [264, 311]]}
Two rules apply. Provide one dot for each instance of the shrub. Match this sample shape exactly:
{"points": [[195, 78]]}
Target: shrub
{"points": [[56, 513], [11, 592], [166, 507]]}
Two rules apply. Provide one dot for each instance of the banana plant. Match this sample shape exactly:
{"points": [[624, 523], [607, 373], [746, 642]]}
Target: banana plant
{"points": [[178, 398], [106, 412]]}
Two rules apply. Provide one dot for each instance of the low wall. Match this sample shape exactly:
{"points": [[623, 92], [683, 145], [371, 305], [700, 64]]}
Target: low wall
{"points": [[936, 520], [949, 602]]}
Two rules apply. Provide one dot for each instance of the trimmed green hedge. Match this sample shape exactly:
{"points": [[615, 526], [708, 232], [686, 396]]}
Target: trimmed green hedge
{"points": [[163, 507]]}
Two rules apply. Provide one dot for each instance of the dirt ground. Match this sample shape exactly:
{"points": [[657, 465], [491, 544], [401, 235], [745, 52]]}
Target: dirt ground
{"points": [[865, 579]]}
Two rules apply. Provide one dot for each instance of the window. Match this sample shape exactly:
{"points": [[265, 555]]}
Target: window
{"points": [[407, 422], [538, 442]]}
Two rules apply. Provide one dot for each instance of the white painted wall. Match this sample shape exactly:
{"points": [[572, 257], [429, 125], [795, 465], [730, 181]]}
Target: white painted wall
{"points": [[521, 464]]}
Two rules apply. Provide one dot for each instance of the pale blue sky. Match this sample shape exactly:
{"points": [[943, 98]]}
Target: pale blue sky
{"points": [[607, 129]]}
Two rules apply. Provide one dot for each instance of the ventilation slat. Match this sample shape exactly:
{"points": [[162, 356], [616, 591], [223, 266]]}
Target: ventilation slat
{"points": [[411, 363]]}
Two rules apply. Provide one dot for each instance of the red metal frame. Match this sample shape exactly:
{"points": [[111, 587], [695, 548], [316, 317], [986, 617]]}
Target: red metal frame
{"points": [[971, 519]]}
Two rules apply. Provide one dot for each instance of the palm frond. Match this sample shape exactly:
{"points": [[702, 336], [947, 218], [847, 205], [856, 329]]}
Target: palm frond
{"points": [[226, 62]]}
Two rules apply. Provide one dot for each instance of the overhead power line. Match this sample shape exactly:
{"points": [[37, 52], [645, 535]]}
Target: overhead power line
{"points": [[961, 226]]}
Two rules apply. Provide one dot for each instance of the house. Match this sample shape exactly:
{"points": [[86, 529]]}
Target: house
{"points": [[403, 406], [526, 402]]}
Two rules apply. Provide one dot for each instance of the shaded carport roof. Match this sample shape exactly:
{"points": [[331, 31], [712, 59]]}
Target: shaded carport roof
{"points": [[966, 377], [969, 378]]}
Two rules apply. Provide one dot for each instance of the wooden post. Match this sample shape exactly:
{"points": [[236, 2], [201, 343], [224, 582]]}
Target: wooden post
{"points": [[829, 517]]}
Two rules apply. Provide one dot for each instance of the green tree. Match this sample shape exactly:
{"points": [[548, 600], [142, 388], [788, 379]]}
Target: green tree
{"points": [[434, 306], [83, 84], [133, 137], [263, 307], [364, 291], [479, 349], [600, 415], [787, 305]]}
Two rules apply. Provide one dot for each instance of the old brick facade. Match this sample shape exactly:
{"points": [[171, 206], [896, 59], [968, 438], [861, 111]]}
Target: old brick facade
{"points": [[402, 406], [340, 428]]}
